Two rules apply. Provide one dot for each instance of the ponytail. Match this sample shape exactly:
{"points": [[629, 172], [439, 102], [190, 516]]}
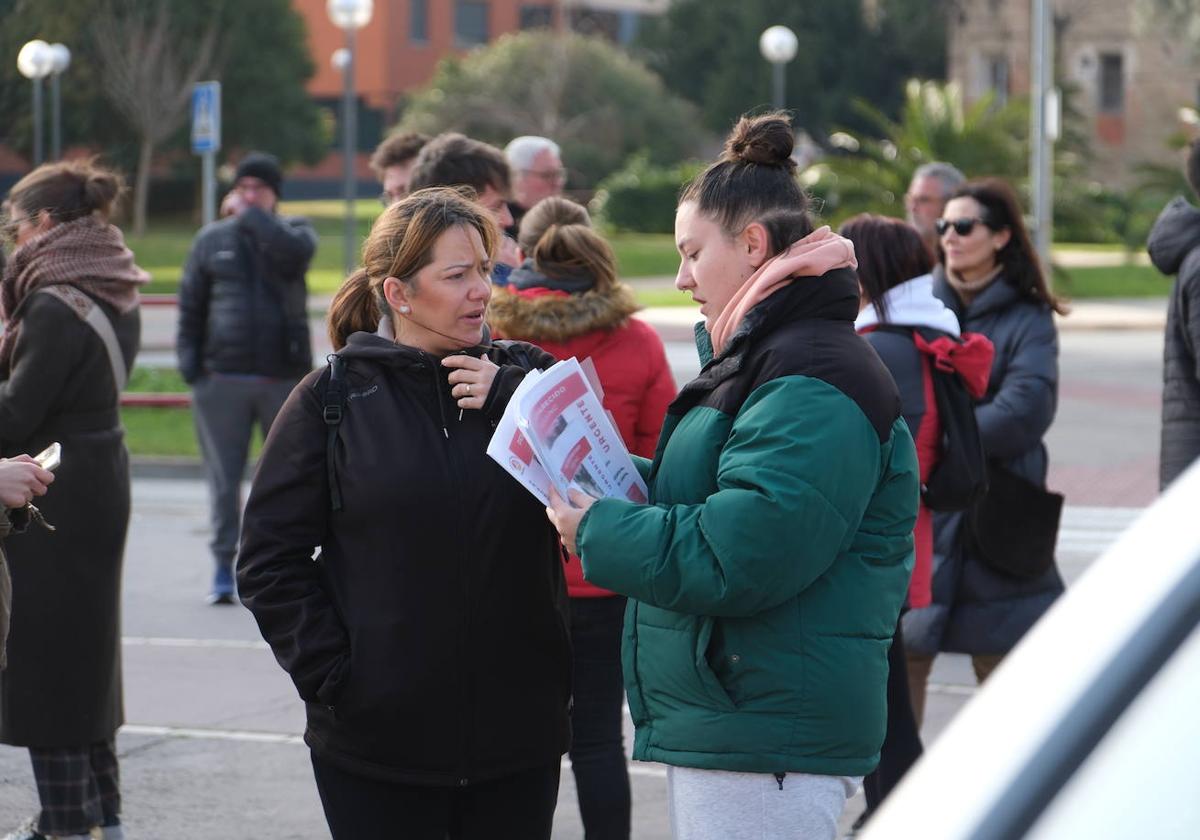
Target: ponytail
{"points": [[355, 308]]}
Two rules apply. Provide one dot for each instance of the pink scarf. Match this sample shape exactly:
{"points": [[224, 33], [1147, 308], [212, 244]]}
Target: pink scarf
{"points": [[819, 252]]}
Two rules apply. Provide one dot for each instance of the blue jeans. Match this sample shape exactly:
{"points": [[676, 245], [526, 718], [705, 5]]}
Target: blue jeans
{"points": [[597, 748]]}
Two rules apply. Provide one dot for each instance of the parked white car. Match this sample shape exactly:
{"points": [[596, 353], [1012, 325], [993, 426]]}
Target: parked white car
{"points": [[1090, 729]]}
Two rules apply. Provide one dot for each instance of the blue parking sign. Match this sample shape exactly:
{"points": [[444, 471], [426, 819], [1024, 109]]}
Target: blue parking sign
{"points": [[206, 117]]}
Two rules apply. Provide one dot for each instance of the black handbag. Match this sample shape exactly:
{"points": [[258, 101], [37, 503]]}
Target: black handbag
{"points": [[1013, 529]]}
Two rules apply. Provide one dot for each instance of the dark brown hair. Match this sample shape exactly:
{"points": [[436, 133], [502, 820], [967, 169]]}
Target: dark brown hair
{"points": [[401, 244], [1018, 259], [454, 159], [396, 150], [889, 253], [754, 180], [68, 190], [557, 235]]}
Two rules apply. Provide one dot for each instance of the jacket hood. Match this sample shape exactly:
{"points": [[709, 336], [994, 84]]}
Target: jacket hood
{"points": [[911, 304], [1174, 235], [540, 313], [381, 346], [526, 276]]}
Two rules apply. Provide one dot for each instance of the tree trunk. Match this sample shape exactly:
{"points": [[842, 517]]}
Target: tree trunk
{"points": [[141, 190]]}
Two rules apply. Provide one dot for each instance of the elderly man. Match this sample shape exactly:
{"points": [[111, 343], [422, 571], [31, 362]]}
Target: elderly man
{"points": [[537, 172], [393, 161], [931, 187]]}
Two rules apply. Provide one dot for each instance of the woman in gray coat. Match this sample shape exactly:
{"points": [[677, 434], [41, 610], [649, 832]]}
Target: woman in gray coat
{"points": [[991, 278], [69, 299]]}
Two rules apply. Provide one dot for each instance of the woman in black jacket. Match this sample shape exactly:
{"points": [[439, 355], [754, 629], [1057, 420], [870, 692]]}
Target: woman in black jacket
{"points": [[428, 639], [70, 303]]}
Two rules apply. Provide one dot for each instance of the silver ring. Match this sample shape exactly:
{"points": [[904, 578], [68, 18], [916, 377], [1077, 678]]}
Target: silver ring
{"points": [[468, 389]]}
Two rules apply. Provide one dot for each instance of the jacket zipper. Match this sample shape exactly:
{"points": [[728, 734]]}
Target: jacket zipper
{"points": [[464, 637]]}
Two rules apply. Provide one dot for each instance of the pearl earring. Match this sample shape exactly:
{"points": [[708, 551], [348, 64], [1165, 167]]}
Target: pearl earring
{"points": [[405, 310]]}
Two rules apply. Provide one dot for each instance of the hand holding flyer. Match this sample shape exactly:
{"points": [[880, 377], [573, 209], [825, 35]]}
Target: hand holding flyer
{"points": [[555, 431]]}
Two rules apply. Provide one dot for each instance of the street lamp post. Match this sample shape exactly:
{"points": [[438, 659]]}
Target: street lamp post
{"points": [[778, 45], [349, 16], [61, 60], [35, 61]]}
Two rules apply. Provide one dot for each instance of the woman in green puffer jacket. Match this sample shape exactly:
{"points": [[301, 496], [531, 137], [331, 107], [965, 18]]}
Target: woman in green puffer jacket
{"points": [[766, 574]]}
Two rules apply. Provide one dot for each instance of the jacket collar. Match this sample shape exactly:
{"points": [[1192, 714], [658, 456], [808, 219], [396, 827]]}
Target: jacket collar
{"points": [[526, 276], [998, 295], [831, 297]]}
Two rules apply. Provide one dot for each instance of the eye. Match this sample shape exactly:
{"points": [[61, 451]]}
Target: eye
{"points": [[692, 256]]}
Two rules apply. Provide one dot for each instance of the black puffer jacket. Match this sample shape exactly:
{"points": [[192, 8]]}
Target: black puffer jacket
{"points": [[243, 299], [1174, 247], [429, 641]]}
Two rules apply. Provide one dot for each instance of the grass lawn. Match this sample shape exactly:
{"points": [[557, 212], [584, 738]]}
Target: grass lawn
{"points": [[164, 431], [1120, 281]]}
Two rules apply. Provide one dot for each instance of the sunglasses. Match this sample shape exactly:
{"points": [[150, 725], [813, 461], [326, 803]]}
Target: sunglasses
{"points": [[962, 227]]}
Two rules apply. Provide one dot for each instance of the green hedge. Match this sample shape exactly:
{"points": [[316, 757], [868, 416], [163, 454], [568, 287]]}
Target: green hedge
{"points": [[641, 197]]}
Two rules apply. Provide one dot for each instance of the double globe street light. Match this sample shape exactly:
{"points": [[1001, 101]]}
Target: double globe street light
{"points": [[36, 61], [349, 16]]}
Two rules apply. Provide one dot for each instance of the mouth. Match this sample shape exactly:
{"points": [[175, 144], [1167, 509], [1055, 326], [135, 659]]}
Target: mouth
{"points": [[473, 318]]}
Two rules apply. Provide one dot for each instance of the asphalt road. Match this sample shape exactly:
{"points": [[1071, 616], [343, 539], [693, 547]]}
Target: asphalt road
{"points": [[212, 747]]}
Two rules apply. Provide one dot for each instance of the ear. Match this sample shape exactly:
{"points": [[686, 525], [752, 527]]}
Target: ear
{"points": [[757, 243], [1000, 239], [44, 221], [396, 294]]}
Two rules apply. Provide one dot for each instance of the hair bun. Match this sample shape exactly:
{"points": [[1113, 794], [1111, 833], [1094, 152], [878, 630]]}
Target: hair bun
{"points": [[765, 140]]}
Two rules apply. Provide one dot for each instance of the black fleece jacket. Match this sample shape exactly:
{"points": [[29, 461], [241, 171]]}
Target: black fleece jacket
{"points": [[428, 639]]}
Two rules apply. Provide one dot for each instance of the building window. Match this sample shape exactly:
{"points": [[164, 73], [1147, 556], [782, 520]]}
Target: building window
{"points": [[1112, 83], [418, 21], [470, 22], [536, 17], [997, 69]]}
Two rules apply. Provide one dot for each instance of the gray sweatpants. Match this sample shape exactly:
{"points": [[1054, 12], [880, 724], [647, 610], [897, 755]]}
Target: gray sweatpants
{"points": [[225, 408], [721, 805]]}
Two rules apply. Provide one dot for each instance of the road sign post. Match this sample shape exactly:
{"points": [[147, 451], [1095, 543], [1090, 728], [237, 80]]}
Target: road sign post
{"points": [[206, 142]]}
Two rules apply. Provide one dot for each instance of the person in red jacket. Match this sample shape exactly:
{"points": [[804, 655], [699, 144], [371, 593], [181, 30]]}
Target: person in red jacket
{"points": [[565, 298], [898, 305]]}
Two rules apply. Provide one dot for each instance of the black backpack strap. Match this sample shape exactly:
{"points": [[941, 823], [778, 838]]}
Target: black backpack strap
{"points": [[334, 408]]}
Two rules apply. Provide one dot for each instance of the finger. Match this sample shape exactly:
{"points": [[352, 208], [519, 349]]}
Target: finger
{"points": [[462, 361], [43, 476], [22, 457], [579, 498], [556, 501]]}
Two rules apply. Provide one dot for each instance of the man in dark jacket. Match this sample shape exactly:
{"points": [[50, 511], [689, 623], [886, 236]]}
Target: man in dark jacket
{"points": [[1174, 248], [243, 340]]}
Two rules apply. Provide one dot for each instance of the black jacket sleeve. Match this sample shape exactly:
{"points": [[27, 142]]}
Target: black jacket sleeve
{"points": [[287, 243], [194, 287], [286, 518]]}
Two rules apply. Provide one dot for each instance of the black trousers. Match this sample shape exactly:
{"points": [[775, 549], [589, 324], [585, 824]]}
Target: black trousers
{"points": [[902, 741], [520, 807], [597, 747]]}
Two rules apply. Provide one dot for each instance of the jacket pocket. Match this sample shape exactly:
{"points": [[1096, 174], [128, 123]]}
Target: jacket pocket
{"points": [[673, 670]]}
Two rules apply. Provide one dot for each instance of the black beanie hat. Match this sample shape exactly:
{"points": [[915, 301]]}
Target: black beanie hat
{"points": [[263, 166]]}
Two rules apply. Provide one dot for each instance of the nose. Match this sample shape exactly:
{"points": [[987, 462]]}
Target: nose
{"points": [[683, 277], [503, 215], [481, 288]]}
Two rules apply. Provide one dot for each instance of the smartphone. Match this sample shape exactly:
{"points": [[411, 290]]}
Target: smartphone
{"points": [[50, 457]]}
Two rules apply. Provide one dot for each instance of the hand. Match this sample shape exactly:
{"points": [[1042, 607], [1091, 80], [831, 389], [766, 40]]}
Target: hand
{"points": [[20, 480], [233, 204], [471, 379], [566, 517]]}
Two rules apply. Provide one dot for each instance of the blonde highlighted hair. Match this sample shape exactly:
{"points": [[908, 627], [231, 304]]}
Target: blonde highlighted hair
{"points": [[401, 244]]}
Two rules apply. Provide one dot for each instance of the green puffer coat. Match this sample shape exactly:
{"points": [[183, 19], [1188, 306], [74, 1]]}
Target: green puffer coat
{"points": [[771, 563]]}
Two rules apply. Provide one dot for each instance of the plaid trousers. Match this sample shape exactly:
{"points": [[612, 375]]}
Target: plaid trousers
{"points": [[77, 786]]}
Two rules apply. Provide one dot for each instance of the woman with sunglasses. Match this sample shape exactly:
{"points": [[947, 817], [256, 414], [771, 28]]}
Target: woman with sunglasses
{"points": [[70, 304], [991, 279]]}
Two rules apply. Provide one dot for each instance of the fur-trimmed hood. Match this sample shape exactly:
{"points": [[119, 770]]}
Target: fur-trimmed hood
{"points": [[539, 314]]}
